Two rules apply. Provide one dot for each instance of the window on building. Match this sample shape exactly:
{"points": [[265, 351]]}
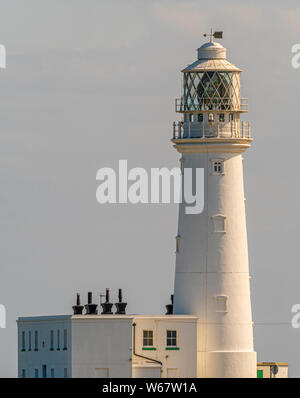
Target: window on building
{"points": [[36, 340], [29, 340], [148, 338], [44, 371], [230, 117], [36, 373], [58, 340], [23, 375], [52, 373], [52, 340], [200, 117], [65, 373], [192, 117], [221, 117], [65, 339], [23, 341], [171, 338], [218, 166]]}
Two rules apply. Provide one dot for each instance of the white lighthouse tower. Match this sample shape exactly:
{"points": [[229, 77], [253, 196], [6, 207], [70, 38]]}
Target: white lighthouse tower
{"points": [[212, 272]]}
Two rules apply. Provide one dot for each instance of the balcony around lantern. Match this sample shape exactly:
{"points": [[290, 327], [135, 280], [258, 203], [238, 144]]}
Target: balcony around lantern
{"points": [[232, 130], [211, 104]]}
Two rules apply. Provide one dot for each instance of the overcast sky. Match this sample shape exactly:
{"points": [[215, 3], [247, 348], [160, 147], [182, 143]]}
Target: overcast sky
{"points": [[89, 82]]}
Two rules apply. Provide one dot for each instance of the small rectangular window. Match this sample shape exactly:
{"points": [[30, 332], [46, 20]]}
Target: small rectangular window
{"points": [[200, 117], [23, 341], [221, 117], [36, 373], [52, 340], [23, 374], [230, 117], [65, 339], [221, 303], [171, 338], [218, 166], [65, 373], [52, 373], [44, 371], [58, 340], [148, 338], [219, 223], [36, 340], [29, 340]]}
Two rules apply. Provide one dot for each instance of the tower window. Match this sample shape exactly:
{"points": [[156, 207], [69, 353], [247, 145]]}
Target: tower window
{"points": [[29, 340], [171, 338], [230, 117], [147, 338], [218, 166], [219, 223], [52, 373], [65, 373], [36, 373], [200, 117], [192, 118], [211, 117], [221, 303], [23, 373], [221, 117]]}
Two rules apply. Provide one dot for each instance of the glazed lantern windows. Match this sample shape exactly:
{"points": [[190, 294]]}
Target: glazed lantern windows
{"points": [[212, 90]]}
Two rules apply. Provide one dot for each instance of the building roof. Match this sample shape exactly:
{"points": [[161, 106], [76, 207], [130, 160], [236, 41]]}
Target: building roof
{"points": [[211, 64], [211, 56], [100, 316]]}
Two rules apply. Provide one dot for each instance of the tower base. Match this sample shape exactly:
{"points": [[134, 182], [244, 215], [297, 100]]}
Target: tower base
{"points": [[226, 364]]}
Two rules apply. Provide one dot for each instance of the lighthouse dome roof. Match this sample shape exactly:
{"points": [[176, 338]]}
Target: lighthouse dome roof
{"points": [[211, 56]]}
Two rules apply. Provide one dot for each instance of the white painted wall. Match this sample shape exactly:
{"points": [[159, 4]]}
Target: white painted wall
{"points": [[102, 343], [182, 362]]}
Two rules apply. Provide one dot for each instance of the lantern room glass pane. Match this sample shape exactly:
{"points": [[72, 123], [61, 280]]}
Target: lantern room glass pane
{"points": [[212, 90]]}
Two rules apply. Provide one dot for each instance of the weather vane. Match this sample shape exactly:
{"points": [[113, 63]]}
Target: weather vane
{"points": [[216, 35]]}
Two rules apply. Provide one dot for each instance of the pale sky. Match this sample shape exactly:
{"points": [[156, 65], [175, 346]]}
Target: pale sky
{"points": [[89, 82]]}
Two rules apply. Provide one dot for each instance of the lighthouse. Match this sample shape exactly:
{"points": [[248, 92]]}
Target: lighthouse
{"points": [[212, 279]]}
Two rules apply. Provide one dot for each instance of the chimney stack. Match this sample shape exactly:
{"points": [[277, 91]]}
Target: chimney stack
{"points": [[91, 309], [169, 307], [77, 309], [120, 305], [106, 307]]}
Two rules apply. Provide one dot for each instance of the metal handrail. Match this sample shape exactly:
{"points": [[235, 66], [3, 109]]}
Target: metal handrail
{"points": [[229, 130], [211, 104]]}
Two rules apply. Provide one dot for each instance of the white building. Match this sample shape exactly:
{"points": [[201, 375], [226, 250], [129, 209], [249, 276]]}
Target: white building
{"points": [[108, 346], [210, 333]]}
